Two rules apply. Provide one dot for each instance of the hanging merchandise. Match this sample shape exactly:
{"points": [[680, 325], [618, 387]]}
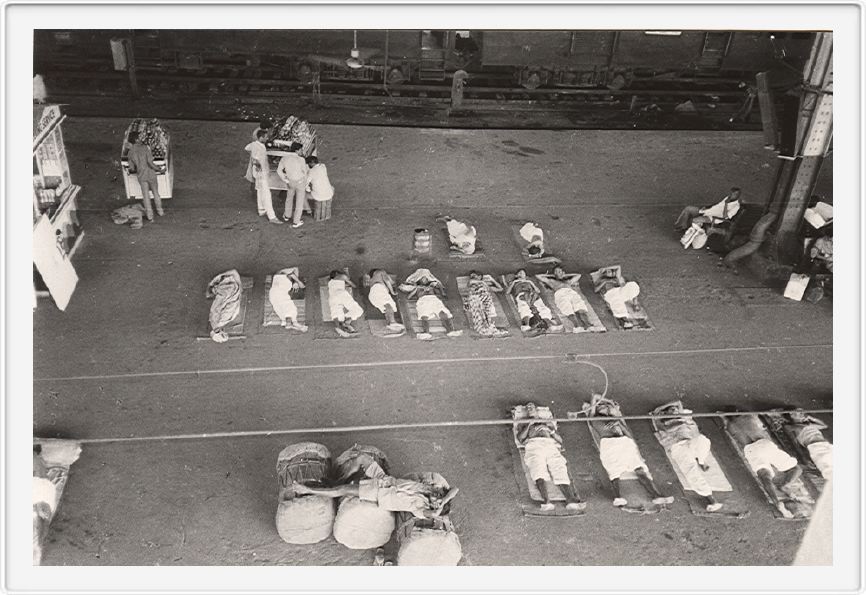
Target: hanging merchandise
{"points": [[151, 133]]}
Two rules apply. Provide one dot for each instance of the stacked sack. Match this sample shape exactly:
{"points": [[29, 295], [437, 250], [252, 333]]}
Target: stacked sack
{"points": [[362, 525], [304, 519], [428, 542]]}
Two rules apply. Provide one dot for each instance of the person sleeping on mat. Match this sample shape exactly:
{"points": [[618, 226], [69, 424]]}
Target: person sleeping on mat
{"points": [[775, 469], [480, 304], [569, 301], [381, 296], [543, 457], [619, 452], [688, 447], [462, 236], [534, 237], [616, 293], [807, 432], [429, 291], [423, 499], [282, 285], [344, 309], [533, 312]]}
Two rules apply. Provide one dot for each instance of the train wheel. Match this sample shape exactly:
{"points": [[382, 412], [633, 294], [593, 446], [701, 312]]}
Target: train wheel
{"points": [[395, 77]]}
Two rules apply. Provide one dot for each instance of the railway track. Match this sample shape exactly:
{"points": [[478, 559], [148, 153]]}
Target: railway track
{"points": [[248, 97]]}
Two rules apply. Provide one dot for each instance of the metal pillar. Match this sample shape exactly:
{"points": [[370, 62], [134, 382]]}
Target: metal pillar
{"points": [[796, 175]]}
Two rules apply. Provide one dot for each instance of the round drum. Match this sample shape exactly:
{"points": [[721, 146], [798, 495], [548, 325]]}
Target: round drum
{"points": [[422, 240], [305, 519], [362, 525], [429, 547]]}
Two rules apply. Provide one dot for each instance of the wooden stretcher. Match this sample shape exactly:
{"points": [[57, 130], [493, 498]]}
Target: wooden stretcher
{"points": [[556, 326], [376, 319], [500, 320], [637, 315], [530, 496], [547, 295]]}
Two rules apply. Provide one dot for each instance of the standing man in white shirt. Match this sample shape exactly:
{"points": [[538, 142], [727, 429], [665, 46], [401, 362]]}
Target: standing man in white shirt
{"points": [[293, 171], [261, 169], [724, 210]]}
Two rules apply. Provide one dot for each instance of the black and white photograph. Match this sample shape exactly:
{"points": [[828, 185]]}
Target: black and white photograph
{"points": [[314, 285]]}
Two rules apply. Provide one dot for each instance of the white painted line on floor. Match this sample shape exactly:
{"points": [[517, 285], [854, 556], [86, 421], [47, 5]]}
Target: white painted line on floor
{"points": [[566, 357]]}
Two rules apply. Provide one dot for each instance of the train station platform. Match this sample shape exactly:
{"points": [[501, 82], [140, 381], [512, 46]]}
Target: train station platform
{"points": [[122, 360]]}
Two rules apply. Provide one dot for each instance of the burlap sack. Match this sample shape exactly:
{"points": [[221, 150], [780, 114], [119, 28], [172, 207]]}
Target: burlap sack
{"points": [[362, 525], [305, 519], [429, 547]]}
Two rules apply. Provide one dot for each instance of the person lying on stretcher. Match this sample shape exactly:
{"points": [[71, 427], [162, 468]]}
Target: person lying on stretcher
{"points": [[568, 300], [618, 451], [775, 469], [423, 499], [533, 312], [429, 292], [381, 296], [543, 457], [807, 432], [688, 447]]}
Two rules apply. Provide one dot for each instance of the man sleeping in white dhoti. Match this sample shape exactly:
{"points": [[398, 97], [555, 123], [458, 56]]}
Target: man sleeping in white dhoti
{"points": [[618, 451], [344, 309], [688, 448], [282, 285], [381, 296], [461, 235]]}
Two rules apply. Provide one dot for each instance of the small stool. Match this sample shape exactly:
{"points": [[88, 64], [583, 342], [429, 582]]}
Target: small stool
{"points": [[321, 209]]}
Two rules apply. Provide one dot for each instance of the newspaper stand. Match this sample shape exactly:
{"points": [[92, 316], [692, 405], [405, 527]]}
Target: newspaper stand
{"points": [[163, 158], [57, 231]]}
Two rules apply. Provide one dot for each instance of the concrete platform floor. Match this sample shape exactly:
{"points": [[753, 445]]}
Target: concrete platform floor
{"points": [[122, 360]]}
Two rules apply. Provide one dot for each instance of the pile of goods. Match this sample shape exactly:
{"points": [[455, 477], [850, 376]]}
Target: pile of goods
{"points": [[152, 134], [292, 130]]}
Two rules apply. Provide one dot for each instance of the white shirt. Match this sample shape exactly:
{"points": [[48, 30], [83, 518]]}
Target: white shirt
{"points": [[320, 185], [717, 211], [292, 168], [259, 154]]}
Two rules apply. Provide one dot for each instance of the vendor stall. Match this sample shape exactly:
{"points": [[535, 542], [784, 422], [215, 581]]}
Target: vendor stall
{"points": [[151, 133], [284, 133], [280, 138], [57, 232]]}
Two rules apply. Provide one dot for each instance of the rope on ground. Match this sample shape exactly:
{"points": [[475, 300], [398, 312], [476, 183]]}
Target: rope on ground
{"points": [[572, 417], [569, 357]]}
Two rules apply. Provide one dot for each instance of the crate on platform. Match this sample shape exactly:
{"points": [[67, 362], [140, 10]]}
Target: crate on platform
{"points": [[321, 209]]}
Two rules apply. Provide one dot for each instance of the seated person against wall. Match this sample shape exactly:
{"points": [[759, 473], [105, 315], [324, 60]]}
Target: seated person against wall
{"points": [[688, 447], [429, 291], [420, 498], [344, 309], [724, 210], [569, 301], [543, 457], [532, 310], [619, 452], [381, 296], [775, 469]]}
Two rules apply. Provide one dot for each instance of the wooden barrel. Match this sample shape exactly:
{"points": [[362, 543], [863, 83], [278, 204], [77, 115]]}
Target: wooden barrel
{"points": [[321, 209], [422, 240]]}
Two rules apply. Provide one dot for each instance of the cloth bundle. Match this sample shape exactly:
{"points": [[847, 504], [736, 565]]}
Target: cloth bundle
{"points": [[132, 214], [226, 290]]}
